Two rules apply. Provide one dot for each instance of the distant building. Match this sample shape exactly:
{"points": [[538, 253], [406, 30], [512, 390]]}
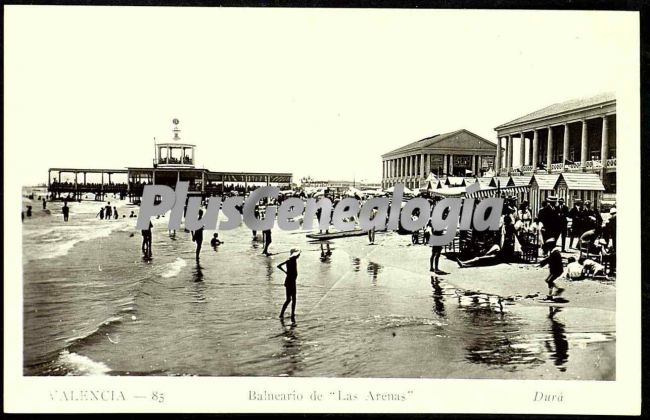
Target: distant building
{"points": [[174, 161], [340, 185], [578, 135], [459, 153]]}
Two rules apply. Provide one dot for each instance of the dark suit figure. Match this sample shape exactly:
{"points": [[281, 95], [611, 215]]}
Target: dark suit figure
{"points": [[577, 216], [562, 214], [549, 217]]}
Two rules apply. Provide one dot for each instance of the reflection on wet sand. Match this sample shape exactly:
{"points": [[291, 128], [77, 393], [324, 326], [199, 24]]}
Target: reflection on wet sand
{"points": [[197, 273], [494, 335], [325, 252], [268, 263], [559, 347], [438, 299], [496, 339], [356, 264], [374, 269], [291, 349]]}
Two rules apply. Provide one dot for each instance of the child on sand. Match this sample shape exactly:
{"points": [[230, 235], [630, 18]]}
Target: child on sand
{"points": [[215, 242], [555, 268], [583, 268], [574, 270]]}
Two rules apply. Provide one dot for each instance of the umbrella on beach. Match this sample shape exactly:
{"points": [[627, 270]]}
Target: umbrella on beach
{"points": [[407, 191], [354, 192]]}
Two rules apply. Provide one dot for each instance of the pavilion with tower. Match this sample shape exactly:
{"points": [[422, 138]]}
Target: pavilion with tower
{"points": [[174, 161]]}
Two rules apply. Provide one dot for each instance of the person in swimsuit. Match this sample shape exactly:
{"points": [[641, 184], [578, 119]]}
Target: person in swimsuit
{"points": [[146, 240], [266, 236], [66, 211], [290, 282], [197, 236]]}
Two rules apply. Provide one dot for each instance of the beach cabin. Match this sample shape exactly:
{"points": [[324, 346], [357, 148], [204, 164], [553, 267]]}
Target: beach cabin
{"points": [[431, 183], [521, 181], [469, 180], [454, 181], [499, 181], [583, 186], [541, 186], [485, 181]]}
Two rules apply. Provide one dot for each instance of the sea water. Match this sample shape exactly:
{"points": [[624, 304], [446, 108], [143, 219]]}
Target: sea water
{"points": [[94, 306]]}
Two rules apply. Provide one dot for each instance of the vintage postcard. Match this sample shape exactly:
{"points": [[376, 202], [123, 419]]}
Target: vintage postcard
{"points": [[321, 210]]}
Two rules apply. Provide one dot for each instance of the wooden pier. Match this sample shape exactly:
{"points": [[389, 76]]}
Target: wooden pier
{"points": [[202, 182], [173, 161]]}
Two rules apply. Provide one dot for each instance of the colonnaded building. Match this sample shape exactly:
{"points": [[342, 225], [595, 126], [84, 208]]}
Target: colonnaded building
{"points": [[578, 135], [459, 153]]}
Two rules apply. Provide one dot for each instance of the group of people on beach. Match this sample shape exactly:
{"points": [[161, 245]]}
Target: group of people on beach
{"points": [[595, 237], [289, 266], [107, 212], [552, 223]]}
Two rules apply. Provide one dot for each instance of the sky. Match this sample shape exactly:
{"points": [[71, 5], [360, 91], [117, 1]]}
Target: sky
{"points": [[320, 93]]}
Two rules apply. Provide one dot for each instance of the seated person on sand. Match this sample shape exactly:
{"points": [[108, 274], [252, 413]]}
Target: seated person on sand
{"points": [[583, 268], [574, 270], [493, 256], [590, 238], [497, 254], [593, 268], [215, 242]]}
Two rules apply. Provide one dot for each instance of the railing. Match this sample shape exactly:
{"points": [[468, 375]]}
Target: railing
{"points": [[87, 188], [175, 161], [568, 167], [572, 167]]}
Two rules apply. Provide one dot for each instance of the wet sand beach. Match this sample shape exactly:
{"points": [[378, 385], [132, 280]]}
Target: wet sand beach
{"points": [[363, 311]]}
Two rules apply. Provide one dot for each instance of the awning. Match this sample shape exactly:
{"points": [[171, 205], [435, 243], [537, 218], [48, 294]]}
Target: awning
{"points": [[449, 192], [496, 192]]}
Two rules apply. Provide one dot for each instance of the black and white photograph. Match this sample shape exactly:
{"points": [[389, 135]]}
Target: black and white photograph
{"points": [[338, 194]]}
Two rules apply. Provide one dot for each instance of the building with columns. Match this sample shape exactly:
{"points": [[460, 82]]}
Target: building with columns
{"points": [[458, 153], [578, 135]]}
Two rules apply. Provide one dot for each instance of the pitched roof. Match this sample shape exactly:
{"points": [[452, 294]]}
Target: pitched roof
{"points": [[485, 181], [563, 107], [455, 181], [520, 180], [545, 181], [583, 181], [437, 138], [502, 181], [469, 180]]}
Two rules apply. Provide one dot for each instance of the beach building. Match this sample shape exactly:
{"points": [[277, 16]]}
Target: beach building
{"points": [[575, 136], [521, 181], [174, 161], [582, 186], [459, 153], [542, 186], [339, 186]]}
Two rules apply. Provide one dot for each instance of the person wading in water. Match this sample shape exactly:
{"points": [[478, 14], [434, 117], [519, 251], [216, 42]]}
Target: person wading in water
{"points": [[197, 236], [290, 282]]}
